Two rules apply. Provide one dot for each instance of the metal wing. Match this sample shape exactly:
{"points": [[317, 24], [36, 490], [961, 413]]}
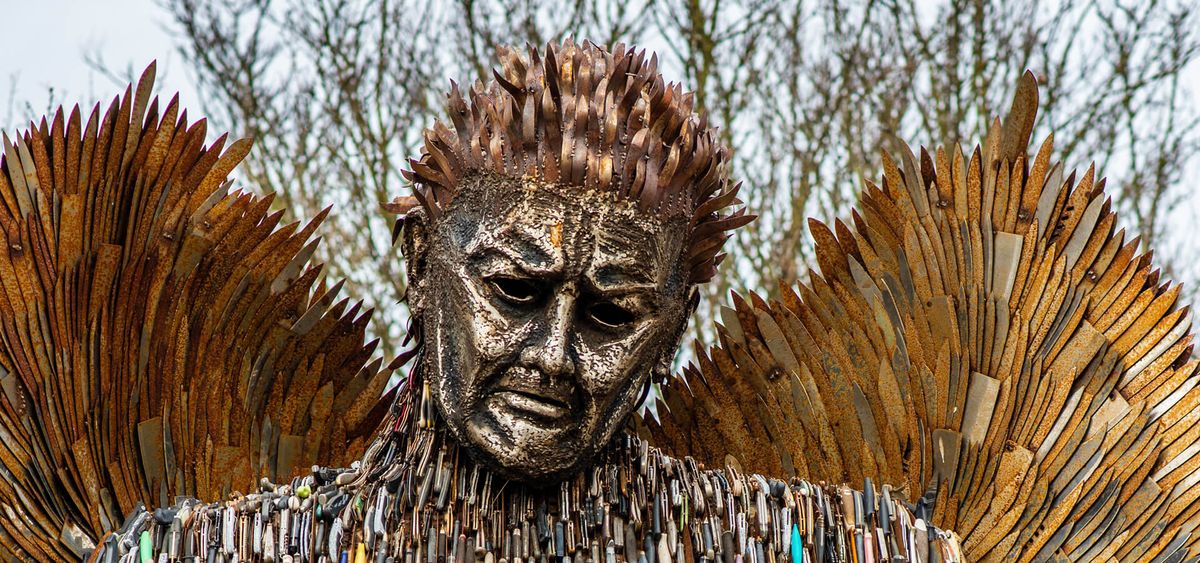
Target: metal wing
{"points": [[982, 334], [159, 334]]}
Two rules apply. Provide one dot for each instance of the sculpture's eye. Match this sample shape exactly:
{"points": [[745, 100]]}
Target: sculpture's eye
{"points": [[516, 291], [609, 315]]}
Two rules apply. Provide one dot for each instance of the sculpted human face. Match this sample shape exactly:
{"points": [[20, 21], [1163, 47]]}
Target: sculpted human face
{"points": [[545, 311]]}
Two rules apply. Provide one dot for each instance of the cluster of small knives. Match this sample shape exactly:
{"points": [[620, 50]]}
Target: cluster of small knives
{"points": [[416, 499]]}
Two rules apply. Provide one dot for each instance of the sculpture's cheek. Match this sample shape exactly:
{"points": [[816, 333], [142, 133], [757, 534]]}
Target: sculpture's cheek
{"points": [[602, 372], [605, 366]]}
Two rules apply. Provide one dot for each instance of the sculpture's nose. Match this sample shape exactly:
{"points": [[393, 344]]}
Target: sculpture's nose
{"points": [[551, 351]]}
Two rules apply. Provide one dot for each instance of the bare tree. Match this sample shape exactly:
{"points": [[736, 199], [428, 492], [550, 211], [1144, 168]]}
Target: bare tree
{"points": [[18, 111], [811, 91], [336, 92]]}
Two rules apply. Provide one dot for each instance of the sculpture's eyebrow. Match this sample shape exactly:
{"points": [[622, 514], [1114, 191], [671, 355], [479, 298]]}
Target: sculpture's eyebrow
{"points": [[621, 276], [525, 250]]}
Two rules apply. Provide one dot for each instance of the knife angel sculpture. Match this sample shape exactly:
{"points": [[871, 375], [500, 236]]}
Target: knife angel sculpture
{"points": [[980, 337]]}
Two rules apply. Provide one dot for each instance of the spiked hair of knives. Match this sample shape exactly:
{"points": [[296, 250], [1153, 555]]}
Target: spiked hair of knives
{"points": [[982, 333], [160, 335], [582, 116]]}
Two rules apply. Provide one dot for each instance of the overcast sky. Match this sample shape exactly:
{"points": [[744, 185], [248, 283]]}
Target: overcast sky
{"points": [[44, 47], [45, 42]]}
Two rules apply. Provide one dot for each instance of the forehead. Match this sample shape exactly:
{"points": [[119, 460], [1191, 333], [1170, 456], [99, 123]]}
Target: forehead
{"points": [[564, 227]]}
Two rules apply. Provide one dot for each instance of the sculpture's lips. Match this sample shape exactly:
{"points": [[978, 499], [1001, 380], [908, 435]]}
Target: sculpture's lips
{"points": [[528, 391], [539, 407]]}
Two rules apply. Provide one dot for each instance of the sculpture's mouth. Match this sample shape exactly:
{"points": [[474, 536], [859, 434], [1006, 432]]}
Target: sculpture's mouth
{"points": [[534, 405], [528, 393]]}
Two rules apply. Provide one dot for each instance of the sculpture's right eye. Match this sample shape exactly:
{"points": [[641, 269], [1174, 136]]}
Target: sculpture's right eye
{"points": [[516, 291]]}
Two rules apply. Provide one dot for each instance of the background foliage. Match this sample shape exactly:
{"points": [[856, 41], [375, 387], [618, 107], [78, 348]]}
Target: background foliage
{"points": [[336, 93]]}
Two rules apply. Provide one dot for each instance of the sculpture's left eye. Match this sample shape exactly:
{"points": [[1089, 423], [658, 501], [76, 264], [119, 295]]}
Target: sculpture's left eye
{"points": [[609, 315], [515, 291]]}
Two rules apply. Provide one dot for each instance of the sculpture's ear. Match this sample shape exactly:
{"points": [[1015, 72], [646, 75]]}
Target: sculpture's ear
{"points": [[661, 370], [414, 240], [662, 367]]}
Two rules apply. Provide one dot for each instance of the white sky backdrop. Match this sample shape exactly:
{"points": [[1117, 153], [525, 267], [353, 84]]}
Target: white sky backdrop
{"points": [[44, 43]]}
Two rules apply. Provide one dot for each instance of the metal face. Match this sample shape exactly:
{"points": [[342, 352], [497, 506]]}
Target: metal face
{"points": [[545, 310]]}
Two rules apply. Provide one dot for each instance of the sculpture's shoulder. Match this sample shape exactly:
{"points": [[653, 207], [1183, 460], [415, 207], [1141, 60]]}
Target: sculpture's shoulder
{"points": [[161, 334]]}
